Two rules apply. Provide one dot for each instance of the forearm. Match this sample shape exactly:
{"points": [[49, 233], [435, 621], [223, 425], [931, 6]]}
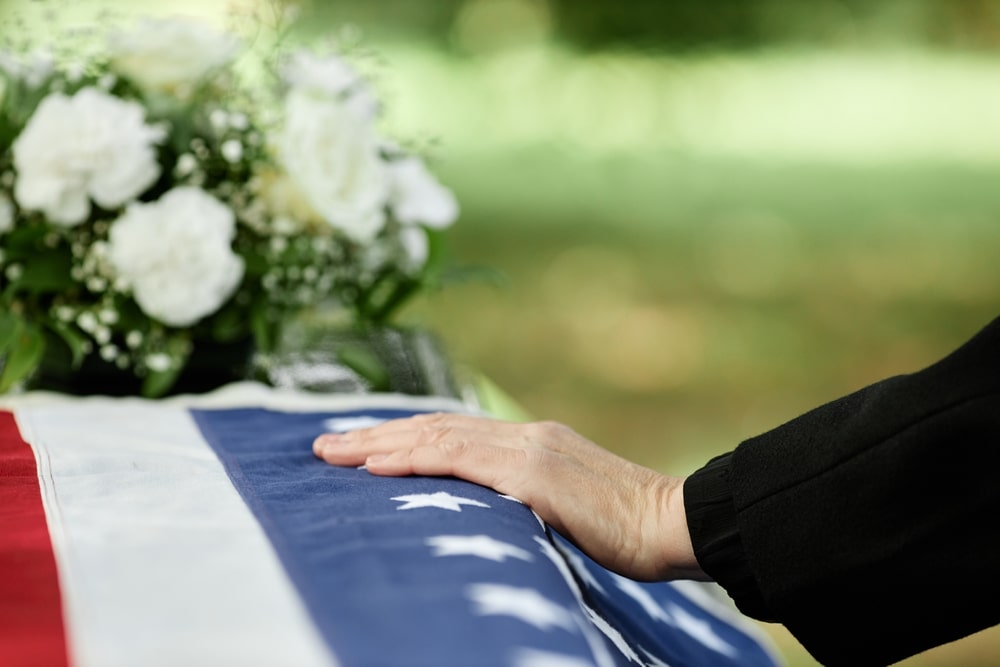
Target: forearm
{"points": [[866, 526]]}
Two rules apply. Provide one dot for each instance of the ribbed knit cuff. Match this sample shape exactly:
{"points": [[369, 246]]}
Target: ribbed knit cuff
{"points": [[711, 518]]}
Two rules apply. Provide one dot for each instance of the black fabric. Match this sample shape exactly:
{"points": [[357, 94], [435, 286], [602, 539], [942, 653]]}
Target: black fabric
{"points": [[711, 519], [869, 527]]}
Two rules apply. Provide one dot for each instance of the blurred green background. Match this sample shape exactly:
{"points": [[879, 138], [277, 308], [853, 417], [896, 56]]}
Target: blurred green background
{"points": [[712, 216]]}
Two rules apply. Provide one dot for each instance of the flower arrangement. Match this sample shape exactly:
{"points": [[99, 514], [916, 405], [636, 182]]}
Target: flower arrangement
{"points": [[153, 196]]}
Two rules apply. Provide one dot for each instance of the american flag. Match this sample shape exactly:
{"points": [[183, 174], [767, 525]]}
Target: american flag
{"points": [[202, 531]]}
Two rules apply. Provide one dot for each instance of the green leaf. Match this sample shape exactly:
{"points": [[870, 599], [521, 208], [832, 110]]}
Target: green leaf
{"points": [[9, 326], [23, 355], [401, 291], [439, 270], [75, 340], [229, 324], [437, 251], [260, 325], [22, 242], [158, 383], [47, 272]]}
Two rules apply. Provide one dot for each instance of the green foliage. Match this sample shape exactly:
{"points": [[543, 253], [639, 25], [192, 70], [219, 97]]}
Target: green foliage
{"points": [[159, 381], [204, 137], [21, 349]]}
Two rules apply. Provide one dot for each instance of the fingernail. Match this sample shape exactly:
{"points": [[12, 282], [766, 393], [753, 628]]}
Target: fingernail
{"points": [[324, 441], [375, 458]]}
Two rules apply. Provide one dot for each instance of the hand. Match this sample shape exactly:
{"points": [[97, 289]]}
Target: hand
{"points": [[628, 518]]}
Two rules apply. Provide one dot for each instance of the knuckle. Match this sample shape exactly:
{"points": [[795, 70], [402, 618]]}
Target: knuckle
{"points": [[454, 449], [431, 418], [549, 430], [435, 434], [533, 460]]}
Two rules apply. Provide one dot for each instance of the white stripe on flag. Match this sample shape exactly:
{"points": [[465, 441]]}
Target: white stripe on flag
{"points": [[160, 561]]}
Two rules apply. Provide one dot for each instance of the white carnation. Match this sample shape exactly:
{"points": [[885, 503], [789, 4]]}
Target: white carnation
{"points": [[89, 146], [169, 54], [34, 69], [176, 254], [416, 197], [331, 154]]}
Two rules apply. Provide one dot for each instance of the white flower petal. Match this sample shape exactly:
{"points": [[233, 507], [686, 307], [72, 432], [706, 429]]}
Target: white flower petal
{"points": [[90, 145], [169, 54], [416, 197], [331, 74], [331, 154], [414, 242], [176, 254]]}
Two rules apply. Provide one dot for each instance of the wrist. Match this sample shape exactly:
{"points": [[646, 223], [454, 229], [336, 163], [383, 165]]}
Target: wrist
{"points": [[684, 560], [673, 548]]}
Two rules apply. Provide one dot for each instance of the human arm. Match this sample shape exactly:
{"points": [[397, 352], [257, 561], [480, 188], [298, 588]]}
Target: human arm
{"points": [[628, 518], [867, 526]]}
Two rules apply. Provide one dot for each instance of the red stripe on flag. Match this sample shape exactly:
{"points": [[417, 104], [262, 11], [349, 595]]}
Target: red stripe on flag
{"points": [[31, 623]]}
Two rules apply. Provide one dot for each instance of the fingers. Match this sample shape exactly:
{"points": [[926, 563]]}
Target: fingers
{"points": [[474, 449], [354, 447], [627, 517], [500, 468]]}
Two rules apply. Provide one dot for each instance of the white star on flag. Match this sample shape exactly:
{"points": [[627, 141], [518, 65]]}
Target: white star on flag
{"points": [[645, 600], [553, 555], [652, 660], [676, 616], [441, 499], [701, 630], [611, 633], [596, 620], [344, 424], [482, 546], [525, 604], [582, 571], [530, 657]]}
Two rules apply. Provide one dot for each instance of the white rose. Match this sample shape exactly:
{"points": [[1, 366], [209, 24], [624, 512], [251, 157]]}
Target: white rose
{"points": [[329, 74], [333, 76], [169, 54], [416, 197], [284, 200], [331, 154], [176, 254], [89, 146], [6, 214]]}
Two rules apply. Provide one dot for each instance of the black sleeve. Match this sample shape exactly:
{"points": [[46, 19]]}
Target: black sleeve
{"points": [[869, 527]]}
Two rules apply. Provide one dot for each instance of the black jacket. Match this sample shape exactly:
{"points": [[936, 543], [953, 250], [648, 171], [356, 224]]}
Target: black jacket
{"points": [[869, 527]]}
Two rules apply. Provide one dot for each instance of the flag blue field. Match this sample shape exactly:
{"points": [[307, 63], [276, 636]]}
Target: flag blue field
{"points": [[213, 536]]}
